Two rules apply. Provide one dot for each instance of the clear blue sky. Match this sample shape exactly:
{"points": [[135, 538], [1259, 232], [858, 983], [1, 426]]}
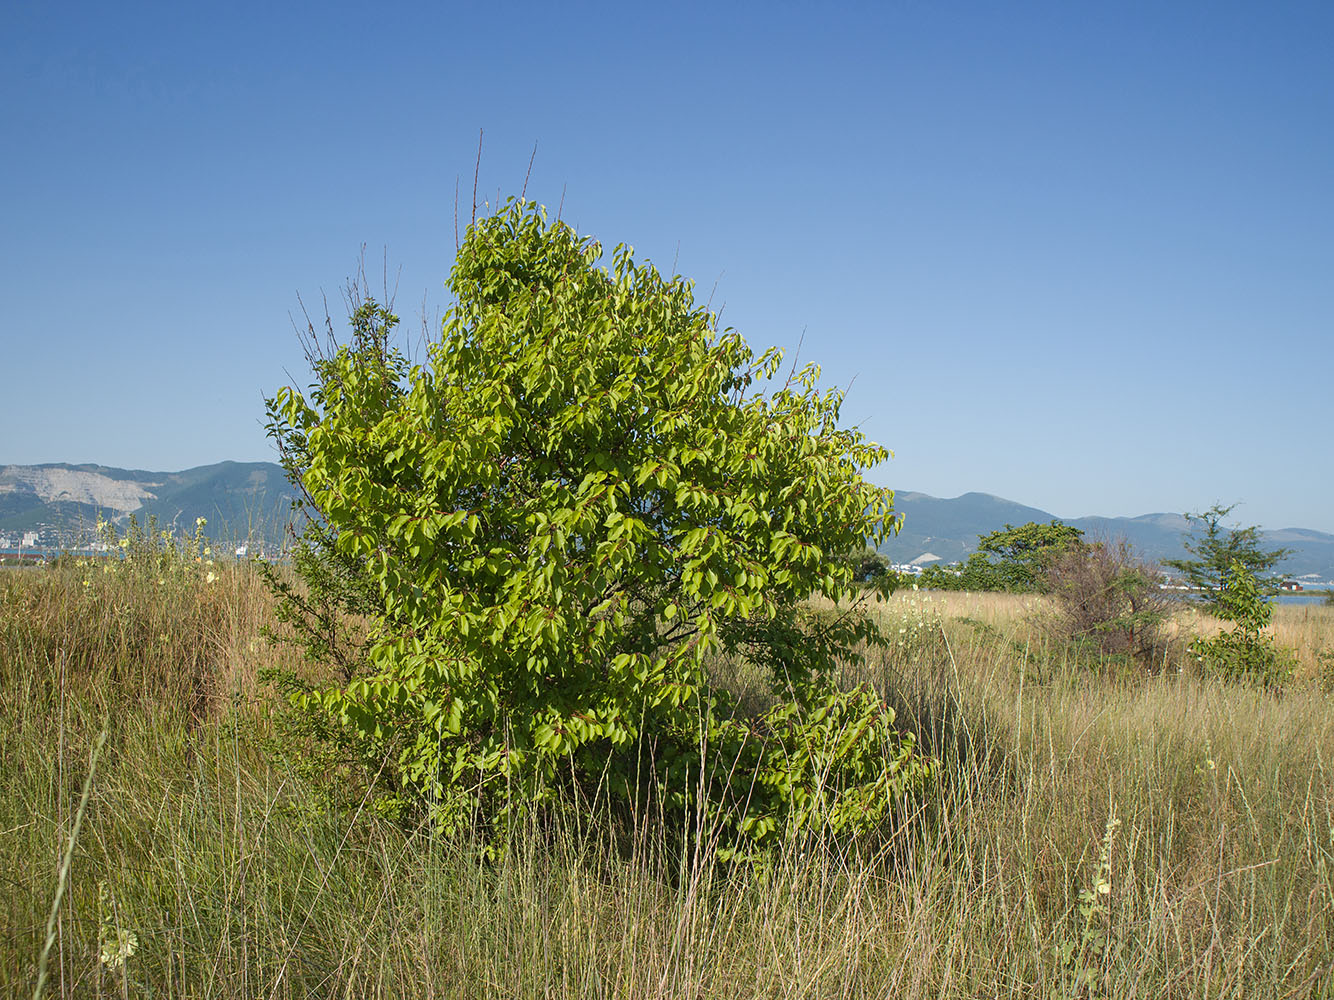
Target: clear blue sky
{"points": [[1077, 255]]}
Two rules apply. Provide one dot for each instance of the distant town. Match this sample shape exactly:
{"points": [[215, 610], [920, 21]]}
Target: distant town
{"points": [[47, 541]]}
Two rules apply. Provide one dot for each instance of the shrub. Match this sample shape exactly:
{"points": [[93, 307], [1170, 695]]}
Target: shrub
{"points": [[1106, 596], [1244, 653], [554, 522]]}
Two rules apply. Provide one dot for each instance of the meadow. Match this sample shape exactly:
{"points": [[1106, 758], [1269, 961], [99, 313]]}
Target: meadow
{"points": [[1098, 830]]}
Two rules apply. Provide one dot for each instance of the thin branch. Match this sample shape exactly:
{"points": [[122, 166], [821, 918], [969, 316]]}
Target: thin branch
{"points": [[524, 193], [476, 172]]}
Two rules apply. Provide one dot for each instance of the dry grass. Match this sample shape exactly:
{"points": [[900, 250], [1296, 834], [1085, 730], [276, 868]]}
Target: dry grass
{"points": [[1306, 629], [1000, 610], [238, 880]]}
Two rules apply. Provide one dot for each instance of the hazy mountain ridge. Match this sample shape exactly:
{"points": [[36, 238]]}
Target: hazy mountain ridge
{"points": [[240, 500], [949, 528]]}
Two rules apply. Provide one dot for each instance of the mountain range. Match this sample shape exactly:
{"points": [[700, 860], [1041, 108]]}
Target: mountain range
{"points": [[251, 501], [61, 502], [949, 529]]}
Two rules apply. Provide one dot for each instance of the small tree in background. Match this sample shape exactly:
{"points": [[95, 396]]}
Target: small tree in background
{"points": [[1010, 559], [551, 525], [1105, 595], [1244, 653], [871, 567], [1017, 558], [1216, 549]]}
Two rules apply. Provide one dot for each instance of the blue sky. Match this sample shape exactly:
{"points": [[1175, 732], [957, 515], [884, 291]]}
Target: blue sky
{"points": [[1077, 255]]}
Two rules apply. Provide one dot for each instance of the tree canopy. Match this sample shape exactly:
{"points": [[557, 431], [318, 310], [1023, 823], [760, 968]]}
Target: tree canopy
{"points": [[586, 491], [1010, 558], [1216, 548]]}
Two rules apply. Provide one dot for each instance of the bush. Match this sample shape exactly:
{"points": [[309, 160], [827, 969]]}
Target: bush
{"points": [[1324, 660], [1244, 654], [552, 525], [1104, 595]]}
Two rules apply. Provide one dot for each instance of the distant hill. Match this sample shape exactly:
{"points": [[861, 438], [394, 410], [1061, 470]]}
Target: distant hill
{"points": [[241, 500], [949, 528]]}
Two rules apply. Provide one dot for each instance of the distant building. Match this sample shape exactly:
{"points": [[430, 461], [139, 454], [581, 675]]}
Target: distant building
{"points": [[1290, 587]]}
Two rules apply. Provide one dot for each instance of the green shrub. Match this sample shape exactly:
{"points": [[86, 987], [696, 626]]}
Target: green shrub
{"points": [[551, 525], [1325, 670], [1244, 653]]}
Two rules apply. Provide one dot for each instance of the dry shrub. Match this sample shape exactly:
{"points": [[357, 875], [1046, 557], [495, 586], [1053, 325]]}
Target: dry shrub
{"points": [[1105, 595]]}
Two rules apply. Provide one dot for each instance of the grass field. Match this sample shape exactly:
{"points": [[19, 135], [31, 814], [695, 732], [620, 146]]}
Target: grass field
{"points": [[1098, 832]]}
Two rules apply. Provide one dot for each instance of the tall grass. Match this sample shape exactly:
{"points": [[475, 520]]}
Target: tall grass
{"points": [[1213, 805]]}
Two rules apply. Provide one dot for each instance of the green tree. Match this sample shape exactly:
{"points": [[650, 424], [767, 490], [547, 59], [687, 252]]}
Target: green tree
{"points": [[1216, 548], [1013, 559], [585, 491], [869, 566], [1244, 653], [1017, 558]]}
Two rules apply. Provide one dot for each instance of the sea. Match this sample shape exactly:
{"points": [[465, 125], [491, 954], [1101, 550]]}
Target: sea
{"points": [[1300, 598]]}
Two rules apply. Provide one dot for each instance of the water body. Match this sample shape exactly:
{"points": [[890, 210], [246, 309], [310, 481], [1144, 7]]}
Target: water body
{"points": [[1300, 598], [1316, 598]]}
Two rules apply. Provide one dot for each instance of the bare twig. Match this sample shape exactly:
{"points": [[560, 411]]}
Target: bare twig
{"points": [[476, 172], [524, 193]]}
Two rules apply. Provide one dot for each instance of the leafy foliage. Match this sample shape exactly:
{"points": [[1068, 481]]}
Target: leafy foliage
{"points": [[552, 523], [1244, 653], [1215, 551]]}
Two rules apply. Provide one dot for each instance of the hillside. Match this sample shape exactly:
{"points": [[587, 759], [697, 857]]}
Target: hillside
{"points": [[241, 500]]}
